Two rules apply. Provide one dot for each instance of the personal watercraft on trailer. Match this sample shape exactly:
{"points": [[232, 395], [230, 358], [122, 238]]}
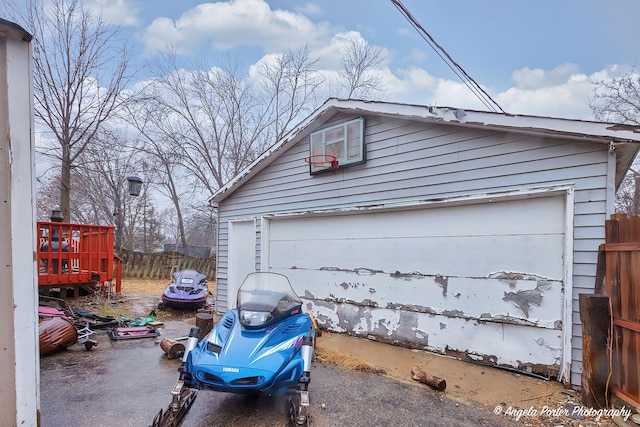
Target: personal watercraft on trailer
{"points": [[264, 346], [187, 290]]}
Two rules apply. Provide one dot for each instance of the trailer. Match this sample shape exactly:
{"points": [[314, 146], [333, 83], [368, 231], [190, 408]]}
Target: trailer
{"points": [[76, 256]]}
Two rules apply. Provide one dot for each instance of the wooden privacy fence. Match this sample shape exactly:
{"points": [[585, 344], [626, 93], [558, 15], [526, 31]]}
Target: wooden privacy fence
{"points": [[163, 265], [622, 279]]}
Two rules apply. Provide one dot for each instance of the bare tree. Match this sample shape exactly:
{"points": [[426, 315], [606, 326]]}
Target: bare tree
{"points": [[103, 197], [160, 139], [357, 73], [198, 114], [46, 197], [618, 100], [201, 228], [80, 70], [290, 88]]}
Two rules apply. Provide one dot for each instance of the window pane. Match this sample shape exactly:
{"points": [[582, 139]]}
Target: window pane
{"points": [[316, 143], [354, 141], [337, 149], [333, 134]]}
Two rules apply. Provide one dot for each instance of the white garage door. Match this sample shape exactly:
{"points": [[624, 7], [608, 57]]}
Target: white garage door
{"points": [[481, 281]]}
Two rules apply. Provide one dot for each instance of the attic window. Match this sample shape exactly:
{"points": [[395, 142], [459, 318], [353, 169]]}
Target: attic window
{"points": [[345, 141]]}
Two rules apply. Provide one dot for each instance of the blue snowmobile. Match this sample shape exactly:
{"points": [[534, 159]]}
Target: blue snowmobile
{"points": [[264, 346]]}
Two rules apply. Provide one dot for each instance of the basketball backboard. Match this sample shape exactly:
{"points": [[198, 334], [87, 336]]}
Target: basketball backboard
{"points": [[345, 141]]}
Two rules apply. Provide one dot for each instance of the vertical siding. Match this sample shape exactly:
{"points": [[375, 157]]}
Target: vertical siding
{"points": [[410, 161]]}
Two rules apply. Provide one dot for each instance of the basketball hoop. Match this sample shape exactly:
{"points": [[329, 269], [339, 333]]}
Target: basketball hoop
{"points": [[327, 161]]}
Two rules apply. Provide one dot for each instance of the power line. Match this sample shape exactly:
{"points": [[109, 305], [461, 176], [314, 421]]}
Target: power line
{"points": [[475, 88]]}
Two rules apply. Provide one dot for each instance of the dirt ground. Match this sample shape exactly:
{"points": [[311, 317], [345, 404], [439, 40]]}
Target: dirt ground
{"points": [[471, 384]]}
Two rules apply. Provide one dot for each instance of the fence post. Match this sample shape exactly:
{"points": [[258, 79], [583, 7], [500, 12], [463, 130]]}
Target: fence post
{"points": [[596, 323]]}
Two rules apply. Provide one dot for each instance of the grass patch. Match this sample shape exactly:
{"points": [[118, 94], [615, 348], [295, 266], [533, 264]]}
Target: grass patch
{"points": [[345, 361]]}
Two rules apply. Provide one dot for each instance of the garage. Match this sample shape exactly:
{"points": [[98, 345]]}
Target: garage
{"points": [[479, 279], [471, 235]]}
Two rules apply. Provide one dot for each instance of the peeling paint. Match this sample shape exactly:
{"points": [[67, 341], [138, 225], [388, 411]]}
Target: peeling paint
{"points": [[512, 283], [408, 330], [411, 308], [524, 299], [407, 276], [414, 329], [360, 271], [510, 275], [352, 285], [514, 320], [548, 371], [326, 304], [335, 300], [443, 282], [453, 313], [487, 359]]}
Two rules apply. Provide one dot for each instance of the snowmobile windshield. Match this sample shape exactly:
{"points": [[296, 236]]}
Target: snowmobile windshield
{"points": [[264, 298]]}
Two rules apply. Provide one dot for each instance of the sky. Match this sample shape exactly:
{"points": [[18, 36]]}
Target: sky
{"points": [[532, 57]]}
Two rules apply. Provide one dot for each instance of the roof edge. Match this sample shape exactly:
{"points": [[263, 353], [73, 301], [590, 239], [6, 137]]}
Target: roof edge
{"points": [[17, 29], [602, 132]]}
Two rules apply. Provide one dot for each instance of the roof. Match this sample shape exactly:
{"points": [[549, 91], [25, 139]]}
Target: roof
{"points": [[624, 139], [15, 30]]}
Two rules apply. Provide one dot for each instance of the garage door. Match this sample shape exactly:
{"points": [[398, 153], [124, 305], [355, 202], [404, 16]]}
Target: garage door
{"points": [[482, 281]]}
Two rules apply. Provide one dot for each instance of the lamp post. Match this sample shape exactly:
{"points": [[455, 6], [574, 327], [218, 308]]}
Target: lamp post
{"points": [[135, 185]]}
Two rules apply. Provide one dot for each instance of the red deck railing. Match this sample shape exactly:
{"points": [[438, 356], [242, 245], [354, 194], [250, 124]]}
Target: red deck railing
{"points": [[74, 254]]}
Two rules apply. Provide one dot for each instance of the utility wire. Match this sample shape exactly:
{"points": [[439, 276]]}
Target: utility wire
{"points": [[475, 88]]}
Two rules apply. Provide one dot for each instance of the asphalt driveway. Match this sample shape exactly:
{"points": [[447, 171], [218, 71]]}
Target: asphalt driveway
{"points": [[125, 383]]}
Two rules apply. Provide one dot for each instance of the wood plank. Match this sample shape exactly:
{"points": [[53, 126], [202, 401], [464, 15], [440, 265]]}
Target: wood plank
{"points": [[622, 247], [626, 396], [627, 324], [601, 270], [594, 314], [634, 228], [623, 227], [613, 290], [628, 363]]}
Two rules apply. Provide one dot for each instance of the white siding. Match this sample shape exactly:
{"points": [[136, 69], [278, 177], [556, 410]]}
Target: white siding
{"points": [[409, 162], [19, 373]]}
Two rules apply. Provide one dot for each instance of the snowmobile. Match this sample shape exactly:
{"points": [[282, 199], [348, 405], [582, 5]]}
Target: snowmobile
{"points": [[264, 346]]}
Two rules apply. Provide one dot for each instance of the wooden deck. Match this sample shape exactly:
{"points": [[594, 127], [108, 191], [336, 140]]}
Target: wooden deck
{"points": [[75, 255]]}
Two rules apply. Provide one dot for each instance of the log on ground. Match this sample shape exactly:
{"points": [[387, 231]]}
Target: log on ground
{"points": [[432, 381]]}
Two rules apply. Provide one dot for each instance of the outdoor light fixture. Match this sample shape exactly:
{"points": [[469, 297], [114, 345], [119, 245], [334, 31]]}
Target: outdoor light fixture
{"points": [[459, 114], [135, 185], [56, 216]]}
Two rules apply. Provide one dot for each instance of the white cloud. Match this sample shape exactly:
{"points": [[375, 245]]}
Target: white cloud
{"points": [[415, 85], [310, 9], [331, 53], [527, 78], [117, 12], [562, 92], [417, 55], [227, 25]]}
